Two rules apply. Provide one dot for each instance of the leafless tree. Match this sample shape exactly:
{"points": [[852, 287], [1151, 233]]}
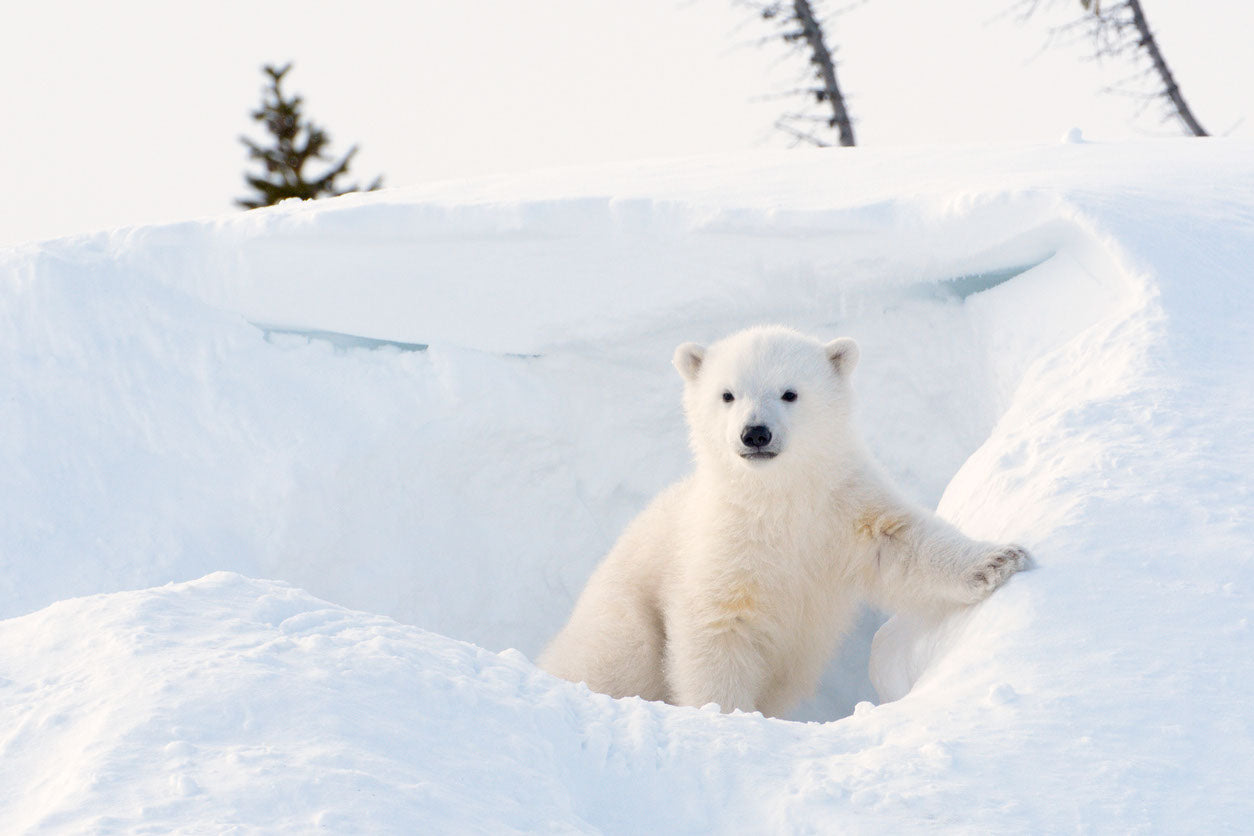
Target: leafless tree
{"points": [[801, 28], [1118, 30]]}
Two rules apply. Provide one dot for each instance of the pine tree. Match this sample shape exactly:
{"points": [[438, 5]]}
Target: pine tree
{"points": [[296, 142]]}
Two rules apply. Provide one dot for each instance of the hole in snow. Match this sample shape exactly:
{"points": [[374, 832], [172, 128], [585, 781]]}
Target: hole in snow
{"points": [[477, 497]]}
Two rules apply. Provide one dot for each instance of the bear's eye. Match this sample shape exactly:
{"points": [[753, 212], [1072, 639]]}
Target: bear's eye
{"points": [[728, 397], [790, 396]]}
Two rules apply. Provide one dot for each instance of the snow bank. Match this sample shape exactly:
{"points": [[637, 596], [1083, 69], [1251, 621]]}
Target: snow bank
{"points": [[232, 703], [229, 703], [441, 406]]}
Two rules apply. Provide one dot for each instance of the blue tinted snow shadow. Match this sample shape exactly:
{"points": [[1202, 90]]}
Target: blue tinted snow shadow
{"points": [[961, 287], [337, 339], [345, 342]]}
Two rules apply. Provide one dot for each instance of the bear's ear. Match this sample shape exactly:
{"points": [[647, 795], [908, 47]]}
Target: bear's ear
{"points": [[842, 353], [688, 359]]}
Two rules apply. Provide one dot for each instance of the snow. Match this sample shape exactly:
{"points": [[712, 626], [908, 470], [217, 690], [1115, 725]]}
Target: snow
{"points": [[437, 408]]}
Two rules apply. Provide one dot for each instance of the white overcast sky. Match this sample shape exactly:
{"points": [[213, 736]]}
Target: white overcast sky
{"points": [[128, 112]]}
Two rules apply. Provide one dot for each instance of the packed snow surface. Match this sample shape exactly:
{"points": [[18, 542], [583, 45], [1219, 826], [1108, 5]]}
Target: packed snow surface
{"points": [[437, 407]]}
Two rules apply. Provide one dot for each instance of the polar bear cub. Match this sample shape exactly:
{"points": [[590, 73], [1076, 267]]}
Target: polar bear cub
{"points": [[735, 585]]}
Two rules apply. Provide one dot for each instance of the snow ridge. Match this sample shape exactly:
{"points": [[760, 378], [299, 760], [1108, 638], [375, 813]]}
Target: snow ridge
{"points": [[1054, 350]]}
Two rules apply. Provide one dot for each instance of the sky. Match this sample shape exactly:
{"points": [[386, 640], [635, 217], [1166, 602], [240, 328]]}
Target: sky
{"points": [[130, 112]]}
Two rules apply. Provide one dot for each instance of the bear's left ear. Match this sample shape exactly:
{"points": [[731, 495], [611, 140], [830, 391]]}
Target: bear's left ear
{"points": [[688, 359], [842, 353]]}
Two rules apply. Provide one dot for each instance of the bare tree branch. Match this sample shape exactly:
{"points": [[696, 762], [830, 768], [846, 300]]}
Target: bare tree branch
{"points": [[800, 29], [1170, 88], [1117, 30], [800, 136], [822, 57]]}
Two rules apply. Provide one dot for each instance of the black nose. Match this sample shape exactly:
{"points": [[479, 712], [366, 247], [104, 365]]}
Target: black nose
{"points": [[758, 436]]}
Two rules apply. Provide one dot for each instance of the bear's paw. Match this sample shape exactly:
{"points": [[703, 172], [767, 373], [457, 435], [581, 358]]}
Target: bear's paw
{"points": [[993, 568]]}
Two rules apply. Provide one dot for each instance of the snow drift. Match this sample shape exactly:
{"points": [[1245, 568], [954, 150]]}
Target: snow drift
{"points": [[441, 405]]}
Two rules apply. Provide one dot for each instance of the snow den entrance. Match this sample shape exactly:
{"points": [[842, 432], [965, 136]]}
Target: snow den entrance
{"points": [[481, 499]]}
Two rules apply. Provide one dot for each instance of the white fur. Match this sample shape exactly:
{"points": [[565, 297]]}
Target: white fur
{"points": [[735, 585]]}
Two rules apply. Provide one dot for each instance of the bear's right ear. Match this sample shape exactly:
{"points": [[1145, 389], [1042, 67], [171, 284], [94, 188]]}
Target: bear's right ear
{"points": [[842, 353], [688, 359]]}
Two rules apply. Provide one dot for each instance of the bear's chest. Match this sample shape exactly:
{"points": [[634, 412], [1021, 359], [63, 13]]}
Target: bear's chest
{"points": [[785, 539], [746, 571]]}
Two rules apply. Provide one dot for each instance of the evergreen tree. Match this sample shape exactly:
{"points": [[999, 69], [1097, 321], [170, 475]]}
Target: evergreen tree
{"points": [[296, 142]]}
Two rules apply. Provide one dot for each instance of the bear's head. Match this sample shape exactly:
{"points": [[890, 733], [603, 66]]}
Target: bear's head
{"points": [[768, 399]]}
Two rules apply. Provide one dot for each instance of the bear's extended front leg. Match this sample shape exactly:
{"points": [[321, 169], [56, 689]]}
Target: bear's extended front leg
{"points": [[917, 560]]}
